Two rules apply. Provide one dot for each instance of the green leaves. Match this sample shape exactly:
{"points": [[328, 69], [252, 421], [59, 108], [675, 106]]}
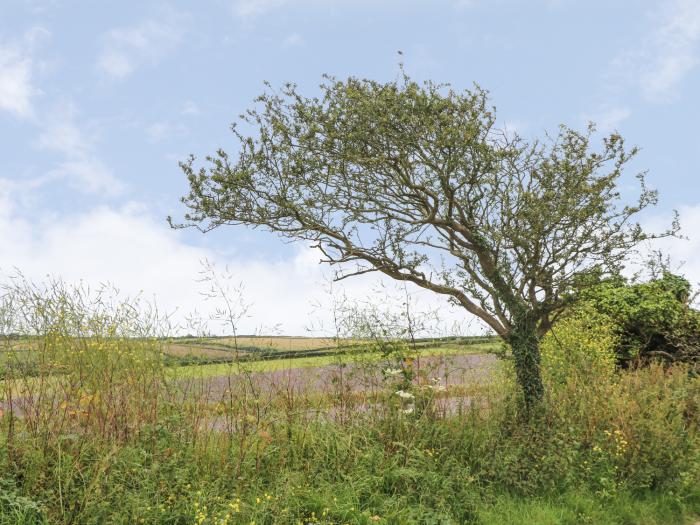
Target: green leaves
{"points": [[415, 181], [652, 319]]}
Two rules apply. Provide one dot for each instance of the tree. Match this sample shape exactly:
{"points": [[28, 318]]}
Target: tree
{"points": [[416, 181]]}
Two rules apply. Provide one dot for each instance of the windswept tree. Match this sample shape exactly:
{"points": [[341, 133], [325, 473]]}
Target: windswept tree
{"points": [[417, 182]]}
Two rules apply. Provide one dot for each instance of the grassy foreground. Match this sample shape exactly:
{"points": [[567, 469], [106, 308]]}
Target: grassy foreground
{"points": [[100, 431], [595, 453]]}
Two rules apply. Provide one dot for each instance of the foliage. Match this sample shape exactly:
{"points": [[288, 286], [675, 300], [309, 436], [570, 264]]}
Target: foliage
{"points": [[16, 509], [580, 346], [652, 319], [416, 182]]}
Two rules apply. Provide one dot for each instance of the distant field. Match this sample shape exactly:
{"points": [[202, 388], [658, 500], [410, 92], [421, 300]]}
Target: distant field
{"points": [[213, 350], [216, 355], [278, 343], [226, 347], [196, 350], [273, 365]]}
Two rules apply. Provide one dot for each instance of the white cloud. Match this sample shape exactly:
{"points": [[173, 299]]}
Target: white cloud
{"points": [[125, 49], [80, 164], [8, 192], [676, 49], [682, 252], [252, 8], [88, 175], [116, 63], [135, 252], [16, 88], [608, 118], [671, 52], [40, 7], [17, 68]]}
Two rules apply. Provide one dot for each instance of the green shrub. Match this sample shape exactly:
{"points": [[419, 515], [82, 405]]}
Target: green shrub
{"points": [[653, 319], [580, 347]]}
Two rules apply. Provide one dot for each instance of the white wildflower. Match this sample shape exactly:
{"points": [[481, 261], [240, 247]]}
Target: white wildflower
{"points": [[392, 371], [408, 410], [404, 395]]}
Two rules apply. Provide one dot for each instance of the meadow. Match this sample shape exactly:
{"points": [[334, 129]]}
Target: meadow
{"points": [[106, 420]]}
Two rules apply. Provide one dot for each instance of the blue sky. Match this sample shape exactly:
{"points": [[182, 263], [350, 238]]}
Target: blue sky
{"points": [[100, 100]]}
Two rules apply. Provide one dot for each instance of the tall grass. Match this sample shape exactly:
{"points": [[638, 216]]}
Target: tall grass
{"points": [[99, 430]]}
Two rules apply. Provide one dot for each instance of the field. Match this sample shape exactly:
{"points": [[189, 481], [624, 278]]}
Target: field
{"points": [[101, 428], [199, 350], [214, 355], [218, 347]]}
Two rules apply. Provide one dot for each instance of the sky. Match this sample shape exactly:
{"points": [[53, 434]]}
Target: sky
{"points": [[99, 101]]}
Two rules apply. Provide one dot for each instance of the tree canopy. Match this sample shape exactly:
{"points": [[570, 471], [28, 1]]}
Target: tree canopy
{"points": [[417, 181]]}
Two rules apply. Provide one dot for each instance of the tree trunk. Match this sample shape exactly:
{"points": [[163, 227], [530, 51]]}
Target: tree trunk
{"points": [[525, 344]]}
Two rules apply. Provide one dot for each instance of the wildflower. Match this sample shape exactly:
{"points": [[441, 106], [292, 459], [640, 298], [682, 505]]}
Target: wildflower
{"points": [[408, 410], [404, 395], [437, 387], [392, 371]]}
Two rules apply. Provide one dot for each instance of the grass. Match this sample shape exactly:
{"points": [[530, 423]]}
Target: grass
{"points": [[579, 508], [282, 464], [405, 470], [103, 432]]}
